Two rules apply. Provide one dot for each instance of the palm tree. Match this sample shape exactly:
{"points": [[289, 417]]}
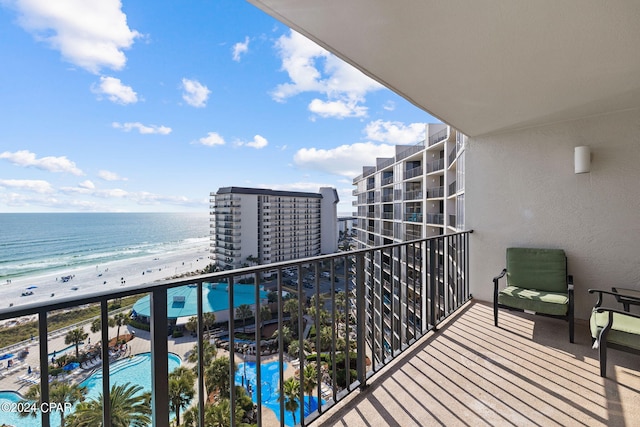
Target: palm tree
{"points": [[243, 311], [220, 415], [60, 393], [294, 348], [181, 390], [291, 306], [210, 352], [216, 376], [310, 375], [286, 335], [119, 320], [129, 408], [76, 336], [290, 394], [265, 314]]}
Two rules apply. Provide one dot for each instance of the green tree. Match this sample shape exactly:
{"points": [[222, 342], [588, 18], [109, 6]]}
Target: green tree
{"points": [[119, 320], [181, 390], [243, 311], [129, 408], [291, 306], [265, 315], [286, 335], [291, 394], [294, 347], [310, 375], [210, 352], [60, 393], [96, 325], [216, 376], [75, 337]]}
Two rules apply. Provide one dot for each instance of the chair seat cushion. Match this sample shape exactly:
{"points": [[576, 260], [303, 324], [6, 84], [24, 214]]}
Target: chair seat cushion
{"points": [[625, 330], [552, 303]]}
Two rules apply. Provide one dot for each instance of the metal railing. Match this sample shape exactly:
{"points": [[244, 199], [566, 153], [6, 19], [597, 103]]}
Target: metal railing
{"points": [[368, 326]]}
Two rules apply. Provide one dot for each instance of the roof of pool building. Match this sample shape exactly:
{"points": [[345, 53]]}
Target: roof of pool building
{"points": [[183, 301]]}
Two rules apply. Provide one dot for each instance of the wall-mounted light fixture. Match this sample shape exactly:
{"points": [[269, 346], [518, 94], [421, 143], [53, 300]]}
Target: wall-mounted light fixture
{"points": [[582, 159]]}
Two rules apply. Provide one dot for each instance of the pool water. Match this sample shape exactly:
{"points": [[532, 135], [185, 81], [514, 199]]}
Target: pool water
{"points": [[270, 377], [182, 300], [136, 370]]}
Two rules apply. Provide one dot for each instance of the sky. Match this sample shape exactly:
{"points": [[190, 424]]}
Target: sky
{"points": [[130, 106]]}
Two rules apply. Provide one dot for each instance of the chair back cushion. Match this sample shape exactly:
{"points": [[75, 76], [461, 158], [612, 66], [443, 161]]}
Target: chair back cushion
{"points": [[541, 269]]}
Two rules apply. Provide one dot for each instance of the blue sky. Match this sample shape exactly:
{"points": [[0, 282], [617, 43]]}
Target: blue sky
{"points": [[149, 106]]}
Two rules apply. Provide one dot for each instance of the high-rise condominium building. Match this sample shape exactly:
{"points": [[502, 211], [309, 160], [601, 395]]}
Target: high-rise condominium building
{"points": [[418, 193], [255, 225]]}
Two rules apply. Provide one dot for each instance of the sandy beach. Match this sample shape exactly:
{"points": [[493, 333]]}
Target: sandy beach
{"points": [[112, 275]]}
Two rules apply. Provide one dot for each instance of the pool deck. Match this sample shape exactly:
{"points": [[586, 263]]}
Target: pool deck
{"points": [[13, 380]]}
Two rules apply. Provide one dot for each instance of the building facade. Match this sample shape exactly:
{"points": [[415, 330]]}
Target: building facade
{"points": [[416, 194], [261, 226]]}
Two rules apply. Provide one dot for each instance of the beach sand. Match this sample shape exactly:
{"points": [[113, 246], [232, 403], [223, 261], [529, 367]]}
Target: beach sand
{"points": [[113, 275]]}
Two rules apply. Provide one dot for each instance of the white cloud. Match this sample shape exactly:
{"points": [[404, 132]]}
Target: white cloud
{"points": [[345, 160], [35, 185], [51, 164], [337, 109], [89, 185], [143, 129], [395, 132], [240, 48], [212, 139], [91, 34], [257, 143], [195, 93], [313, 69], [110, 176], [389, 106], [115, 91]]}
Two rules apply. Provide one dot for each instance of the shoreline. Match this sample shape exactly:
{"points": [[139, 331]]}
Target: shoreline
{"points": [[111, 275]]}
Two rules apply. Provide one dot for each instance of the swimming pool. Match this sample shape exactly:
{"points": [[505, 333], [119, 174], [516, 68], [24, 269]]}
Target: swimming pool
{"points": [[182, 301], [136, 370], [270, 376]]}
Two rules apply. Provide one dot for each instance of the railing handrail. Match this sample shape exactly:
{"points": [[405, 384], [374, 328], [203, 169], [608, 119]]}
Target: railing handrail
{"points": [[360, 317]]}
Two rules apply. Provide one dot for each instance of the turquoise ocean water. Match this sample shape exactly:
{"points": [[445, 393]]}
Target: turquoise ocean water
{"points": [[36, 243]]}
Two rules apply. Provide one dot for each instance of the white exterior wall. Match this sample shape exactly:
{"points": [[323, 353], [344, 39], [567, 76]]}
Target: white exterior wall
{"points": [[521, 190], [249, 224], [328, 220]]}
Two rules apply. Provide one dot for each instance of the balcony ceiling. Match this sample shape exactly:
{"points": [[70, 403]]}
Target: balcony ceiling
{"points": [[485, 66]]}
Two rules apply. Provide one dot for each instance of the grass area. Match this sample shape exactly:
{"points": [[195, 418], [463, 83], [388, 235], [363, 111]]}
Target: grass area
{"points": [[58, 320]]}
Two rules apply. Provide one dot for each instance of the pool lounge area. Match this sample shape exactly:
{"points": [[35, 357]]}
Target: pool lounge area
{"points": [[135, 370]]}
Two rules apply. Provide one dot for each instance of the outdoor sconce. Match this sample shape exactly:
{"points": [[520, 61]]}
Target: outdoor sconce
{"points": [[582, 159]]}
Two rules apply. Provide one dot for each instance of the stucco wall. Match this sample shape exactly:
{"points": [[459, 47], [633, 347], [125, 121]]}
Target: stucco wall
{"points": [[521, 190]]}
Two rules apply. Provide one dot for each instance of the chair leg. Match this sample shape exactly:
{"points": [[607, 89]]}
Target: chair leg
{"points": [[602, 351], [571, 329], [495, 314]]}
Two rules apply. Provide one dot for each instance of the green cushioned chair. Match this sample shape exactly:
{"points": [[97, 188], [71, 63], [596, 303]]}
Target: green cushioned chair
{"points": [[537, 283], [614, 328]]}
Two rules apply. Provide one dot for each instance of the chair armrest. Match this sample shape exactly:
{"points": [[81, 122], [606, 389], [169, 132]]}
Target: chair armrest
{"points": [[499, 276], [615, 310], [570, 282], [615, 294], [629, 295]]}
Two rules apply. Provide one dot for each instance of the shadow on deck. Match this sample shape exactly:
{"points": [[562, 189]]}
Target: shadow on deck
{"points": [[524, 373]]}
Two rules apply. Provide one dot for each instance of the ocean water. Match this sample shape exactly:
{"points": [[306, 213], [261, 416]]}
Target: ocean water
{"points": [[36, 243]]}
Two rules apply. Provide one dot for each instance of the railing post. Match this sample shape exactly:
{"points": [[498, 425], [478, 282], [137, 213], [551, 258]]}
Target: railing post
{"points": [[159, 359], [44, 366], [360, 322], [104, 333], [202, 393], [232, 351], [432, 281]]}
